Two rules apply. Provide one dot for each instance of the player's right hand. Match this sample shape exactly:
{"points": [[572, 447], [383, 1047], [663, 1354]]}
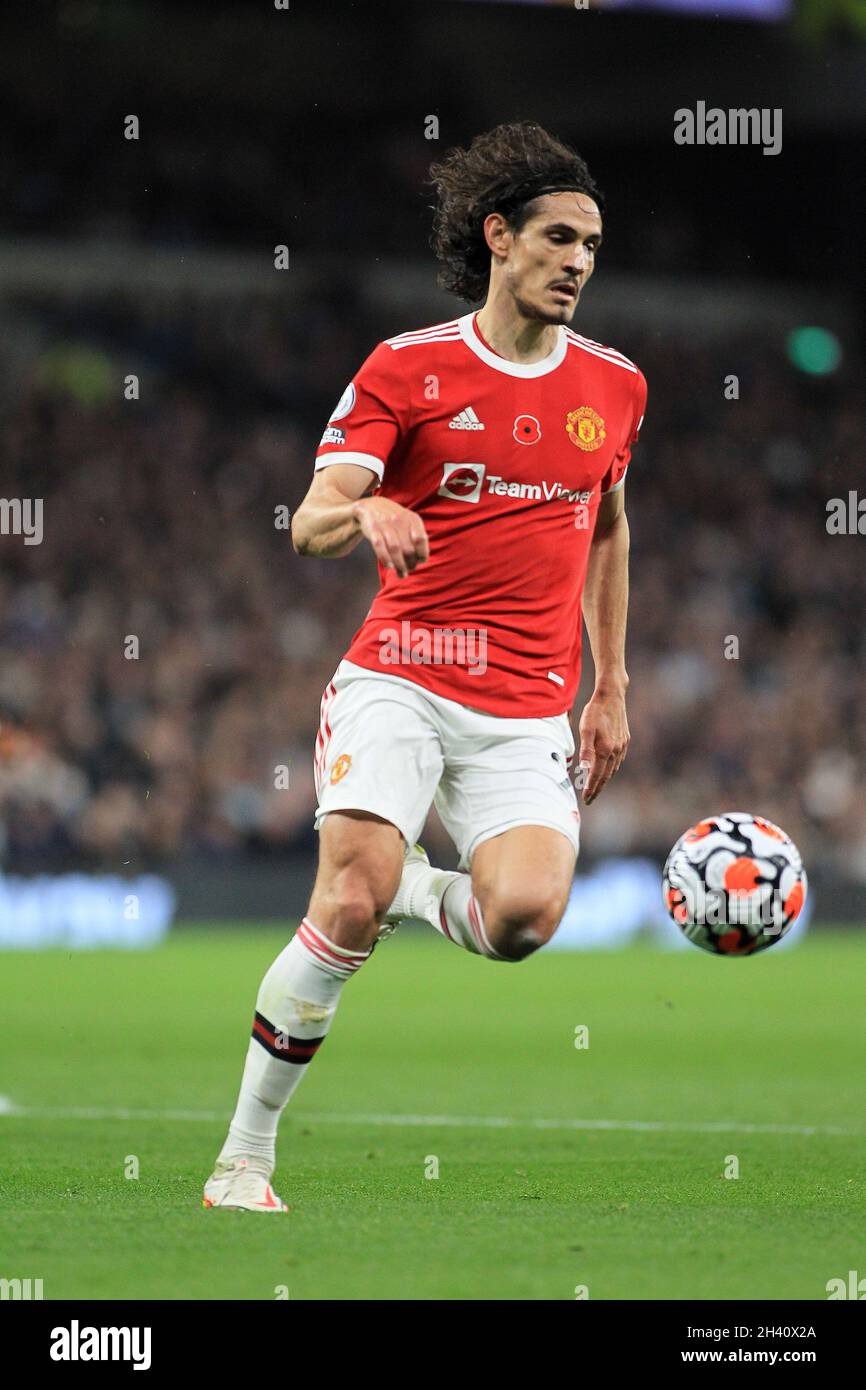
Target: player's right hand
{"points": [[398, 536]]}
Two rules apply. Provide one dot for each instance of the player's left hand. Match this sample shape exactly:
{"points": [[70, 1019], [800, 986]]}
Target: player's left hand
{"points": [[604, 739]]}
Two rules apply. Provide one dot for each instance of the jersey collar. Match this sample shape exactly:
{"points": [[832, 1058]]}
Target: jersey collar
{"points": [[501, 364]]}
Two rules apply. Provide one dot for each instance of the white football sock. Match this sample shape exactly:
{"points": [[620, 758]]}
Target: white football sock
{"points": [[445, 899], [295, 1006]]}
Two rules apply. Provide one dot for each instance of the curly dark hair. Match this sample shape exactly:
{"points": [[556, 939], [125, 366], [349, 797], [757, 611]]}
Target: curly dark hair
{"points": [[503, 170]]}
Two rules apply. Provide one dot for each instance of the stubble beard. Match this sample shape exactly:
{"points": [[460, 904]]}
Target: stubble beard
{"points": [[563, 314]]}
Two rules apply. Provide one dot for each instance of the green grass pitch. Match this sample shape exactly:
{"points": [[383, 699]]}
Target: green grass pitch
{"points": [[558, 1167]]}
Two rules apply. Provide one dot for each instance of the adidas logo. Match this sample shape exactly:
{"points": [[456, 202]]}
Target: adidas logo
{"points": [[466, 420]]}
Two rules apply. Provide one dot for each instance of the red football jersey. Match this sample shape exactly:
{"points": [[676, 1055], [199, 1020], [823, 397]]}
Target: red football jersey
{"points": [[505, 462]]}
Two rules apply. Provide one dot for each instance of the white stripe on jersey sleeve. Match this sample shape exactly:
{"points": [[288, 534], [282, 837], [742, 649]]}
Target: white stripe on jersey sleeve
{"points": [[422, 332], [437, 333], [597, 350], [362, 460]]}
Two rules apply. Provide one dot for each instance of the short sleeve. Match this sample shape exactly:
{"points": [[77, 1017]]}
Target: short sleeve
{"points": [[615, 475], [370, 416]]}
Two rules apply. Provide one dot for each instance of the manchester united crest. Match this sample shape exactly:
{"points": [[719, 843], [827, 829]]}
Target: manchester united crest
{"points": [[341, 767], [585, 428]]}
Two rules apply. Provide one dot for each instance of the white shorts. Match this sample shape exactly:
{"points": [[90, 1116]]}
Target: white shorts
{"points": [[388, 746]]}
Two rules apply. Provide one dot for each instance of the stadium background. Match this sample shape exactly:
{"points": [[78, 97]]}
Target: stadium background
{"points": [[155, 257]]}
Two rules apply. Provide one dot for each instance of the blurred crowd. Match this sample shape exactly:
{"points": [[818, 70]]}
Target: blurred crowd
{"points": [[163, 651]]}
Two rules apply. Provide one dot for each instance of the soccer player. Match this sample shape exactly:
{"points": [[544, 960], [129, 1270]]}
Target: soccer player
{"points": [[483, 462]]}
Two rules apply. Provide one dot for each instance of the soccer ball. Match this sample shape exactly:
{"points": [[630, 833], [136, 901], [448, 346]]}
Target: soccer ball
{"points": [[734, 884]]}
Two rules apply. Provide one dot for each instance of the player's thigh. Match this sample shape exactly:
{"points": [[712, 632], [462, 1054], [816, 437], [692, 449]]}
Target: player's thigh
{"points": [[378, 752], [524, 875], [360, 863], [504, 775]]}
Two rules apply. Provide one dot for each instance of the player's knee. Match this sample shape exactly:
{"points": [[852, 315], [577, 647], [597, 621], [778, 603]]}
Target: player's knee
{"points": [[518, 924], [358, 903], [354, 915], [355, 900]]}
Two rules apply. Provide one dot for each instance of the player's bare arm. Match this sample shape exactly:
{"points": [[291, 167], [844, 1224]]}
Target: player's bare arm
{"points": [[604, 735], [337, 513]]}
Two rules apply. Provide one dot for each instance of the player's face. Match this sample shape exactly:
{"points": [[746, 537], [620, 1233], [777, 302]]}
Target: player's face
{"points": [[552, 257]]}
